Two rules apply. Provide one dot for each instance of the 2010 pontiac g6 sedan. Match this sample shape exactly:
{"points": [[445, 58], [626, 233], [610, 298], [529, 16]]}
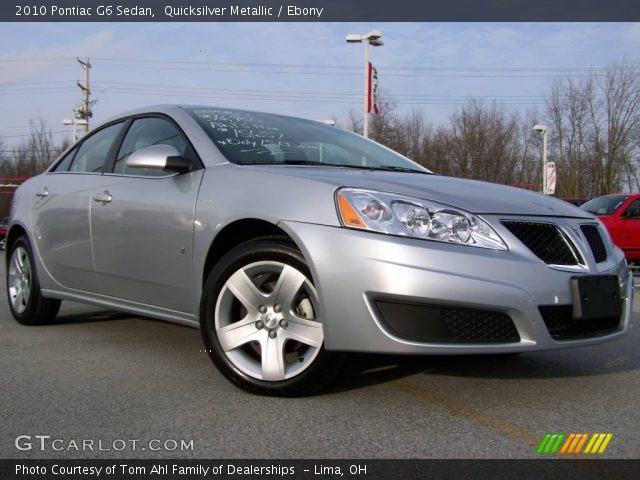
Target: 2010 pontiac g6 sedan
{"points": [[289, 242]]}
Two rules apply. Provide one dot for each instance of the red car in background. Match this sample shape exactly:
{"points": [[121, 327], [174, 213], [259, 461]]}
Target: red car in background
{"points": [[621, 216]]}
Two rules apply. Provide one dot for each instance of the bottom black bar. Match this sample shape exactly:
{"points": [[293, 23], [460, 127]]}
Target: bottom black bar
{"points": [[583, 469]]}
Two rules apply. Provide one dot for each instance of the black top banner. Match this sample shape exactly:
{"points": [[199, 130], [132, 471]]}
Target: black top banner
{"points": [[320, 11]]}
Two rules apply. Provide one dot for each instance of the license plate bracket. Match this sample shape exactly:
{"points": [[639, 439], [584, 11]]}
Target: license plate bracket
{"points": [[596, 296]]}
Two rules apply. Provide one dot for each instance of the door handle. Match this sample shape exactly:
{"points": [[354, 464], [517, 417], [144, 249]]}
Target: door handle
{"points": [[103, 197], [44, 193]]}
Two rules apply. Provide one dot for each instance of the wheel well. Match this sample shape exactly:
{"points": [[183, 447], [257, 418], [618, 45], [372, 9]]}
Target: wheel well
{"points": [[233, 235], [16, 232]]}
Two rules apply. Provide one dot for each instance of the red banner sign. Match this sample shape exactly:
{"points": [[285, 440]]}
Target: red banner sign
{"points": [[372, 100]]}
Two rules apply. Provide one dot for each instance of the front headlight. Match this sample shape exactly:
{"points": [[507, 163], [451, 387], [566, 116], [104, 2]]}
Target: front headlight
{"points": [[412, 217]]}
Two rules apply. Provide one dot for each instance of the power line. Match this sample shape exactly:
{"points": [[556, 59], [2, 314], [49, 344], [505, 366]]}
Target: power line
{"points": [[324, 72], [306, 92], [235, 96], [35, 59], [35, 83], [351, 67], [29, 134]]}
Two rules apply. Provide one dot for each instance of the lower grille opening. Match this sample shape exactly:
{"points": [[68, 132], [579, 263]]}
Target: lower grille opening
{"points": [[444, 324], [562, 326]]}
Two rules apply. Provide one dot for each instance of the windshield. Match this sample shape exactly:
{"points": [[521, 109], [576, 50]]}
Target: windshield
{"points": [[261, 138], [604, 205]]}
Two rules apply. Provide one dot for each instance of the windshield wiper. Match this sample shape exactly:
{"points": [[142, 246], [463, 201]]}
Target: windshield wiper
{"points": [[283, 162], [387, 168], [394, 168]]}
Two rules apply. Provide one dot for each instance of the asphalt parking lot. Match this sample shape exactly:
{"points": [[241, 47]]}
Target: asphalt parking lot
{"points": [[105, 376]]}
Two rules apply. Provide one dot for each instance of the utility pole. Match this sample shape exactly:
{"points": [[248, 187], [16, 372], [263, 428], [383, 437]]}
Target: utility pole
{"points": [[84, 112]]}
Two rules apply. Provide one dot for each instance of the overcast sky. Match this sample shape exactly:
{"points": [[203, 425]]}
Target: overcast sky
{"points": [[303, 69]]}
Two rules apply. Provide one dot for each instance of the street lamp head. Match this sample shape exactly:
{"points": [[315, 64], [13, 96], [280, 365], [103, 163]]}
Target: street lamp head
{"points": [[373, 35], [540, 128], [67, 122]]}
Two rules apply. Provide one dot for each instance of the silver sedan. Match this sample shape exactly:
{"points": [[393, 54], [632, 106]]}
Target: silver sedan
{"points": [[289, 242]]}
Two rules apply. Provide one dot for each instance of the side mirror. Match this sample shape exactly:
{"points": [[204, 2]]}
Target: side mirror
{"points": [[159, 157]]}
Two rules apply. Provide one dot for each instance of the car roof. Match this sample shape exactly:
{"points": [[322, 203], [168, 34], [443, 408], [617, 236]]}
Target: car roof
{"points": [[162, 108], [170, 109]]}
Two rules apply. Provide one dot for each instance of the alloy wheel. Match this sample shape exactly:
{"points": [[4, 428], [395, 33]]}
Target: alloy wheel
{"points": [[19, 280], [266, 321]]}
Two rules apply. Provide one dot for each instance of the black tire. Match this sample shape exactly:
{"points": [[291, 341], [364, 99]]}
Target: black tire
{"points": [[321, 369], [38, 309]]}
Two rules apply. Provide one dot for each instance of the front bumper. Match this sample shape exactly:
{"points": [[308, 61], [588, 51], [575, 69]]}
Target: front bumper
{"points": [[352, 269]]}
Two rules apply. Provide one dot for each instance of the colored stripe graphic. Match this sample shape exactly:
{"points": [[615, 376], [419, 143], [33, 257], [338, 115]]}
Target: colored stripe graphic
{"points": [[572, 443], [567, 442], [556, 446], [581, 443], [607, 439], [550, 443], [578, 438], [594, 437], [543, 442]]}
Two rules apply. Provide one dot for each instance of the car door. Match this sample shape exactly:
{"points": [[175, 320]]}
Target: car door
{"points": [[143, 230], [629, 228], [61, 204]]}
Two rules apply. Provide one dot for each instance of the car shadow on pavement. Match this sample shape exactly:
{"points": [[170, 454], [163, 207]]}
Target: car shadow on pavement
{"points": [[102, 316], [364, 370], [581, 362]]}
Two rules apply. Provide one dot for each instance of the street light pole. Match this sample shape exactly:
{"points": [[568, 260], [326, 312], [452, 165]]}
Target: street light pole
{"points": [[374, 38], [543, 129], [365, 110], [544, 161], [75, 122]]}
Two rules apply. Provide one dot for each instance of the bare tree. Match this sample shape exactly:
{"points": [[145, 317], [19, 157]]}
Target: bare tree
{"points": [[594, 137], [483, 143], [37, 151], [354, 122]]}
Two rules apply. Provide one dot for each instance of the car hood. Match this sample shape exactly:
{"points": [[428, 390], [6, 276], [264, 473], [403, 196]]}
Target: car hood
{"points": [[471, 195]]}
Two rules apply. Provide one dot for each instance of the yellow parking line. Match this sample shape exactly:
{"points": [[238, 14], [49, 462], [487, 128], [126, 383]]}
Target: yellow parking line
{"points": [[472, 413]]}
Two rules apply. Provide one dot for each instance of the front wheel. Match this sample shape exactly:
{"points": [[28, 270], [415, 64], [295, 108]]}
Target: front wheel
{"points": [[260, 321], [27, 304]]}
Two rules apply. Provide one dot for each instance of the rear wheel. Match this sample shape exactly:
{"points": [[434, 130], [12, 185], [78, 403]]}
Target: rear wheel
{"points": [[27, 305], [260, 320]]}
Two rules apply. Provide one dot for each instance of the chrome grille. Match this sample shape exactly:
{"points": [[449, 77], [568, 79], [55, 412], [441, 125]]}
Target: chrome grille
{"points": [[594, 239], [546, 241]]}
